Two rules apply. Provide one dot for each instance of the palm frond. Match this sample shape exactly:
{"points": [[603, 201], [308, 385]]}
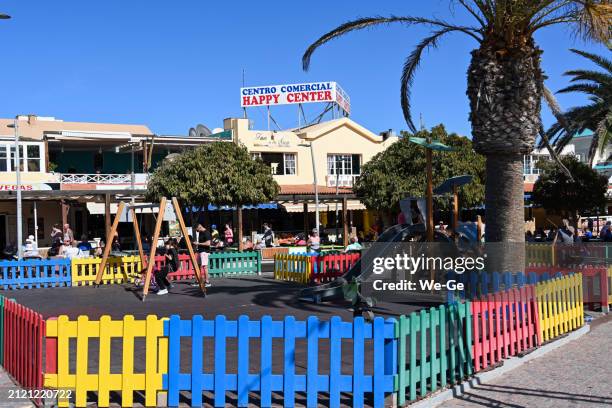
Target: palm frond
{"points": [[410, 66], [604, 132], [473, 12], [597, 59], [597, 78], [362, 23], [585, 88]]}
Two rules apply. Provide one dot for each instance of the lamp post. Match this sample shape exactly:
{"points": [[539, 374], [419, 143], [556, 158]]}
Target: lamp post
{"points": [[17, 164], [315, 184]]}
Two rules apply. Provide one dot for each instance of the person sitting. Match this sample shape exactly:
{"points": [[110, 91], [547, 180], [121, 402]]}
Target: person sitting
{"points": [[71, 250], [30, 250], [84, 245], [353, 245], [248, 245]]}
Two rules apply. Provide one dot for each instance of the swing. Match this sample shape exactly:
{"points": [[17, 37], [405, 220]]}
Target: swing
{"points": [[158, 222]]}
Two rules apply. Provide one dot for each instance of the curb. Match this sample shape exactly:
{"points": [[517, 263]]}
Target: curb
{"points": [[487, 376]]}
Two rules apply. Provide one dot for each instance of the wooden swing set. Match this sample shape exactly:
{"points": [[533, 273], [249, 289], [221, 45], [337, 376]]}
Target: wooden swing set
{"points": [[148, 263]]}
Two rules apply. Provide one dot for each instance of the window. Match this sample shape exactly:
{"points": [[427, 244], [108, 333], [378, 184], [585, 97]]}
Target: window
{"points": [[343, 164], [3, 158], [30, 157], [289, 163], [281, 164]]}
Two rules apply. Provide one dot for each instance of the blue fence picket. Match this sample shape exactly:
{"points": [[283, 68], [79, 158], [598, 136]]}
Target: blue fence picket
{"points": [[377, 384], [35, 273]]}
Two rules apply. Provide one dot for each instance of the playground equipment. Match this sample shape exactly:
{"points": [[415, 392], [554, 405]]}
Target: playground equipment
{"points": [[143, 259]]}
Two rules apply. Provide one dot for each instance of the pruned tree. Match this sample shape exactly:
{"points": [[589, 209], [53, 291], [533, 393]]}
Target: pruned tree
{"points": [[555, 191], [399, 171], [219, 173]]}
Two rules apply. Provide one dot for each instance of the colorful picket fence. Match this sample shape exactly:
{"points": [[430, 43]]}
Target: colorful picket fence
{"points": [[220, 264], [263, 379], [94, 371], [539, 253], [560, 306], [293, 268], [504, 324], [331, 266], [118, 270], [434, 350], [313, 268], [35, 273], [21, 341], [597, 282]]}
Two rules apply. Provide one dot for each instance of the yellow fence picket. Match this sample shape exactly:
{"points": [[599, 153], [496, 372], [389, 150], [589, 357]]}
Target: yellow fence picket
{"points": [[118, 270], [103, 382], [560, 305], [293, 268]]}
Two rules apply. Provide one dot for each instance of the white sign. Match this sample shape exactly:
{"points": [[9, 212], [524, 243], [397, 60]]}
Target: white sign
{"points": [[26, 187], [289, 94]]}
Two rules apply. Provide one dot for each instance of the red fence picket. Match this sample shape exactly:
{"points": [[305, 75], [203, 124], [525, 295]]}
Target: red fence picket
{"points": [[591, 274], [184, 272], [24, 330], [504, 324], [331, 266]]}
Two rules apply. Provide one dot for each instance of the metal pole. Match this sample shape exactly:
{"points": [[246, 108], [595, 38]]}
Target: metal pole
{"points": [[133, 177], [35, 224], [316, 187], [337, 180], [268, 118], [18, 179], [429, 196]]}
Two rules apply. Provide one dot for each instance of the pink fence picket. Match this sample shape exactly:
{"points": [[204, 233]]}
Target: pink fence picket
{"points": [[504, 324], [331, 266], [22, 350]]}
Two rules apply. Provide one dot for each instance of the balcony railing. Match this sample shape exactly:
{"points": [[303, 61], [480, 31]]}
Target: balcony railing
{"points": [[344, 180], [139, 178]]}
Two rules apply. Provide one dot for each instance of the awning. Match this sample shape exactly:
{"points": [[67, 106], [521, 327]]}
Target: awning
{"points": [[211, 207], [352, 205]]}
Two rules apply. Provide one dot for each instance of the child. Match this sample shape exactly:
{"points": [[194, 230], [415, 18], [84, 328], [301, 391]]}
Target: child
{"points": [[161, 276]]}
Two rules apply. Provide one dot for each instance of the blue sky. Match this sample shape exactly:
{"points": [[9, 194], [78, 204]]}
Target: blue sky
{"points": [[170, 65]]}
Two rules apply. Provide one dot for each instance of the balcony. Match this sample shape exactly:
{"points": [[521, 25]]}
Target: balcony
{"points": [[344, 180], [97, 181]]}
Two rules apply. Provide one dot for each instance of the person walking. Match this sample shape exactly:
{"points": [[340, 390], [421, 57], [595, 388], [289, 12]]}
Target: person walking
{"points": [[161, 275], [228, 233], [203, 242], [314, 241], [268, 235]]}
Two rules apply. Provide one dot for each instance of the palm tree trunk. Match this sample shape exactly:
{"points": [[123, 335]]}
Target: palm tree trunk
{"points": [[505, 213]]}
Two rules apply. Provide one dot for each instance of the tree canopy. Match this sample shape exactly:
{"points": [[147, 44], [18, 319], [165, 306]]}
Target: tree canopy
{"points": [[555, 191], [399, 171], [219, 173]]}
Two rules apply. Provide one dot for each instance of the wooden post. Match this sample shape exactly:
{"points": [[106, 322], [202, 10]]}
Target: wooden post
{"points": [[143, 260], [107, 213], [240, 230], [158, 224], [345, 226], [455, 208], [109, 242], [479, 228], [192, 257], [429, 196], [65, 209]]}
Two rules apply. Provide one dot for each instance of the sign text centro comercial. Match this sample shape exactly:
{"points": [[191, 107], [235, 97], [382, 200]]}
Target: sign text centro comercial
{"points": [[288, 94]]}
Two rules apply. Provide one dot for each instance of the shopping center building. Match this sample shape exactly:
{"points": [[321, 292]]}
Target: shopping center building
{"points": [[76, 172]]}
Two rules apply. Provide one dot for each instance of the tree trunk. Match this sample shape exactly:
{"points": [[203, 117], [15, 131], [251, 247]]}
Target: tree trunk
{"points": [[505, 212], [240, 231], [505, 87]]}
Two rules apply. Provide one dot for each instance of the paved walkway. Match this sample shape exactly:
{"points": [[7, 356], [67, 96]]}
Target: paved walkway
{"points": [[578, 374], [7, 392]]}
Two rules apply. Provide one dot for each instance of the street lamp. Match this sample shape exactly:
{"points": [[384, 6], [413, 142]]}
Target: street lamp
{"points": [[316, 187], [15, 126]]}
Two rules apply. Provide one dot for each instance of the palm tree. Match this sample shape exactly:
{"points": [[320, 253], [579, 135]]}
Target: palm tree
{"points": [[596, 116], [504, 87]]}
